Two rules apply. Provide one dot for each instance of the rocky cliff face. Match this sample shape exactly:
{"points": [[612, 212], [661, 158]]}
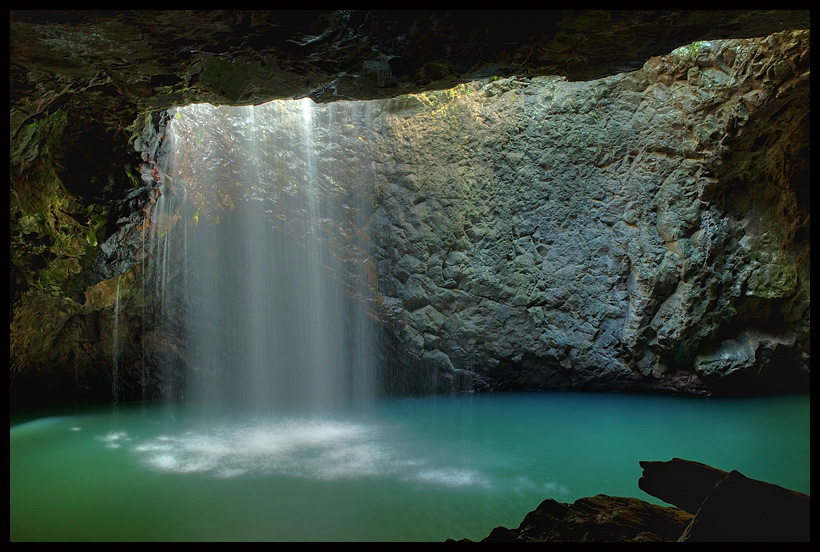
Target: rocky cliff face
{"points": [[606, 234], [645, 231]]}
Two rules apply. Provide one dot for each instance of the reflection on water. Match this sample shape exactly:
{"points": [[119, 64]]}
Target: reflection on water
{"points": [[416, 469]]}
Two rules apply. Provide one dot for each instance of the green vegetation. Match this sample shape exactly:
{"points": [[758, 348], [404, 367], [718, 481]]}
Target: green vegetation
{"points": [[690, 51], [47, 131], [53, 235]]}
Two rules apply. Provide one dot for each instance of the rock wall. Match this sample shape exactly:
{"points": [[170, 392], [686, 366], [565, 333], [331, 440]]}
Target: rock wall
{"points": [[644, 231]]}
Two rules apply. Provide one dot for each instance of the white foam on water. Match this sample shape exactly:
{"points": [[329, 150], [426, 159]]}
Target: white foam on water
{"points": [[302, 448], [451, 477], [321, 450], [114, 439], [549, 488], [555, 489]]}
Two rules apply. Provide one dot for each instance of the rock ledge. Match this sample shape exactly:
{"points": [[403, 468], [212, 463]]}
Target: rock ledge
{"points": [[708, 505]]}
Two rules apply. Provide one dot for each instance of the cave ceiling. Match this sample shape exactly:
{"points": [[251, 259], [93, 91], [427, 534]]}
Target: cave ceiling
{"points": [[127, 61]]}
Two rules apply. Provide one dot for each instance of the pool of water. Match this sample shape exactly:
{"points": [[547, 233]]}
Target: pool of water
{"points": [[422, 469]]}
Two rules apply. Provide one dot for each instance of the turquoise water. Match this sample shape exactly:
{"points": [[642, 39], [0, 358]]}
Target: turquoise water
{"points": [[424, 469]]}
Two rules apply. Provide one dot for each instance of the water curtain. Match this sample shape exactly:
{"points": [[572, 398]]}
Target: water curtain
{"points": [[258, 262]]}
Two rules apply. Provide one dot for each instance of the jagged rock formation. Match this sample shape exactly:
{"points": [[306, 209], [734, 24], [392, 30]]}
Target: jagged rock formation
{"points": [[709, 505], [606, 234], [600, 518], [646, 230]]}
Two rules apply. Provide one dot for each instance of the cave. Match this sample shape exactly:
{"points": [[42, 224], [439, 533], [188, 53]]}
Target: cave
{"points": [[342, 220]]}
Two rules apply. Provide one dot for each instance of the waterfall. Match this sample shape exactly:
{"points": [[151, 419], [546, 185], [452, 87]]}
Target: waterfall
{"points": [[258, 274], [115, 375]]}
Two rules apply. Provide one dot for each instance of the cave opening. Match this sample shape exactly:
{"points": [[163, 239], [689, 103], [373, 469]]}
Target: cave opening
{"points": [[258, 256]]}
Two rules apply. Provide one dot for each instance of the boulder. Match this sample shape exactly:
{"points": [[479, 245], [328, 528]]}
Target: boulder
{"points": [[600, 518], [680, 482], [728, 506], [708, 505]]}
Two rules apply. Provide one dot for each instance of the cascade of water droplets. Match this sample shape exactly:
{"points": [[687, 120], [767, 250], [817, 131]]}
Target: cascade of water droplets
{"points": [[253, 289], [115, 376]]}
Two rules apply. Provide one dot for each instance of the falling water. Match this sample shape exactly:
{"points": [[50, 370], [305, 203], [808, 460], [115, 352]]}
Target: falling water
{"points": [[256, 266], [115, 375]]}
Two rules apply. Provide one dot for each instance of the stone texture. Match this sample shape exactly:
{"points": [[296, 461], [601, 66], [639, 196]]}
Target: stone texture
{"points": [[156, 59], [600, 518], [599, 235], [644, 231], [708, 505]]}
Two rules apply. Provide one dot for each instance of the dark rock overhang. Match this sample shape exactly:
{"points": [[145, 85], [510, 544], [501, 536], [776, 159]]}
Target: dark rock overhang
{"points": [[155, 59]]}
